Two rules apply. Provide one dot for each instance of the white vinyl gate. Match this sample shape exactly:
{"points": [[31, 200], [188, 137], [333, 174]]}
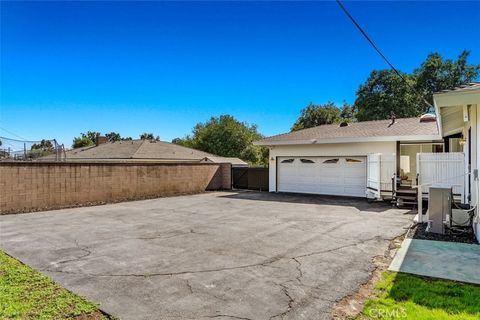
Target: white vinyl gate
{"points": [[380, 169], [443, 168]]}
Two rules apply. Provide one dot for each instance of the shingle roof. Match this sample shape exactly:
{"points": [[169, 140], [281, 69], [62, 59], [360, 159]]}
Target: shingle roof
{"points": [[466, 87], [358, 130], [143, 150]]}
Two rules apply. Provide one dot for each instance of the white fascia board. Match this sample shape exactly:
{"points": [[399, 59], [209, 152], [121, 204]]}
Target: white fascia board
{"points": [[439, 117], [450, 99], [349, 140]]}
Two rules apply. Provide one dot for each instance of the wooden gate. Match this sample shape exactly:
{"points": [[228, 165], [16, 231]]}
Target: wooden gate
{"points": [[250, 178]]}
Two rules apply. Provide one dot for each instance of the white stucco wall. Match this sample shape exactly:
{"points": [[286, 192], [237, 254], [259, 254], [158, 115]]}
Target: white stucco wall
{"points": [[338, 149]]}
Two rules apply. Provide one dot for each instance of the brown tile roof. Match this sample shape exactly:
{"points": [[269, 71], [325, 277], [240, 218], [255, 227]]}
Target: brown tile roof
{"points": [[358, 130], [143, 150], [463, 88]]}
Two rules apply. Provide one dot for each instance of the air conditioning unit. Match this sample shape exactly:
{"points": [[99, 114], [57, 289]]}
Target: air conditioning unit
{"points": [[439, 207]]}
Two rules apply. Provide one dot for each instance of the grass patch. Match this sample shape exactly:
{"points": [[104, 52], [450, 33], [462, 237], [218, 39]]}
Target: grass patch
{"points": [[405, 296], [27, 294]]}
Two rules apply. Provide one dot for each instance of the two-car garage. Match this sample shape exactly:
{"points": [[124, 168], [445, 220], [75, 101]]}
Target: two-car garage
{"points": [[339, 159], [343, 176]]}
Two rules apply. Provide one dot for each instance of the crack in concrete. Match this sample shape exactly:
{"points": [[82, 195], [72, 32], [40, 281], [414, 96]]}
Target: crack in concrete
{"points": [[228, 316], [291, 301], [339, 248], [84, 249], [259, 264], [264, 263], [299, 269], [191, 231], [189, 286]]}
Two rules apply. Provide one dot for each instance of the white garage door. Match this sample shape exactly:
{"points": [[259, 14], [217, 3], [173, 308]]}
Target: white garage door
{"points": [[343, 176]]}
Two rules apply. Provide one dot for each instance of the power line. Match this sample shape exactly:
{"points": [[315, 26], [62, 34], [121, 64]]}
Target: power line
{"points": [[380, 52], [16, 140], [16, 135]]}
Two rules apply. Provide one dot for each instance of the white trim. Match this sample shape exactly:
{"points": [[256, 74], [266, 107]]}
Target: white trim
{"points": [[348, 140], [455, 98]]}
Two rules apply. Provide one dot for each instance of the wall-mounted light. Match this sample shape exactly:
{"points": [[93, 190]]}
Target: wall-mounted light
{"points": [[462, 141]]}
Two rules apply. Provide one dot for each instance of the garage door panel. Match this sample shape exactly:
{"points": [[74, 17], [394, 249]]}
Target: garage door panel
{"points": [[323, 175]]}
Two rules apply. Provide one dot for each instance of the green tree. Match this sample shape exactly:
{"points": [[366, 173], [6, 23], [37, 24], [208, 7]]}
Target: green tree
{"points": [[82, 141], [85, 139], [315, 115], [43, 148], [347, 113], [149, 136], [227, 137], [385, 92], [43, 145], [436, 74], [113, 136]]}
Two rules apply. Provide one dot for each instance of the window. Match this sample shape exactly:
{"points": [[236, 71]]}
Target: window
{"points": [[307, 161], [287, 161], [353, 160], [331, 161]]}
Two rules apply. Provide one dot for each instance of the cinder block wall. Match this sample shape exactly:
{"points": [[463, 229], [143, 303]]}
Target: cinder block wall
{"points": [[30, 186]]}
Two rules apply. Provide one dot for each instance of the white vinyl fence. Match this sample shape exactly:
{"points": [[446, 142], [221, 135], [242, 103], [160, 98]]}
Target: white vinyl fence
{"points": [[442, 168]]}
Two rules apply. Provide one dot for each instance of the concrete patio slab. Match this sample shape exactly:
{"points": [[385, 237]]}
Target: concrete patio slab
{"points": [[439, 259], [225, 255]]}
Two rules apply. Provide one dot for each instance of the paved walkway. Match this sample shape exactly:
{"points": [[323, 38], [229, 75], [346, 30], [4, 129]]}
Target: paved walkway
{"points": [[439, 259]]}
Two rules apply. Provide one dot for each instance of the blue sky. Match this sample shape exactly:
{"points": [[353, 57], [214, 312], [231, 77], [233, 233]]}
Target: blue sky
{"points": [[161, 67]]}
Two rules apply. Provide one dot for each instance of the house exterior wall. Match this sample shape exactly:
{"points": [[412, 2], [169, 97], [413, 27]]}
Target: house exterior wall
{"points": [[469, 101], [475, 165], [32, 186], [312, 150]]}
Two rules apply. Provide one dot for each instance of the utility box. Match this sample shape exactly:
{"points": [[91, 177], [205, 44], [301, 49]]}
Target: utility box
{"points": [[439, 207]]}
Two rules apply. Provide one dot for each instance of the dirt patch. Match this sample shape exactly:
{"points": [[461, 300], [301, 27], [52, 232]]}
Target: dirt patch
{"points": [[351, 306]]}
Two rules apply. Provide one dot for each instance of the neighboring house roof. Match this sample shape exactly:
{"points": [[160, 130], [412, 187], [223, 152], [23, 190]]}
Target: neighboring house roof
{"points": [[135, 150], [406, 129]]}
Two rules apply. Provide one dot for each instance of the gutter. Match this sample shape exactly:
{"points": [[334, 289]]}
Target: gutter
{"points": [[348, 140]]}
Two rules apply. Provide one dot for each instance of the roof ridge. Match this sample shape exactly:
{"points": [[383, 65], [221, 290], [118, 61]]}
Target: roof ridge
{"points": [[139, 146], [337, 124]]}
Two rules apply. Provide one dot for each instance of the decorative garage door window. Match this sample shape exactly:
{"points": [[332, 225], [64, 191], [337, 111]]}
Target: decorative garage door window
{"points": [[331, 161], [353, 160], [288, 160], [307, 161]]}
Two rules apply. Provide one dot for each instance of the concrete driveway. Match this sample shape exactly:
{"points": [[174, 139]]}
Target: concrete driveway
{"points": [[222, 255]]}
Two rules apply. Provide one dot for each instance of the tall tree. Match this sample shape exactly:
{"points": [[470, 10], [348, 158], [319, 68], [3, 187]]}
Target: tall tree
{"points": [[315, 115], [385, 92], [226, 136], [436, 74]]}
